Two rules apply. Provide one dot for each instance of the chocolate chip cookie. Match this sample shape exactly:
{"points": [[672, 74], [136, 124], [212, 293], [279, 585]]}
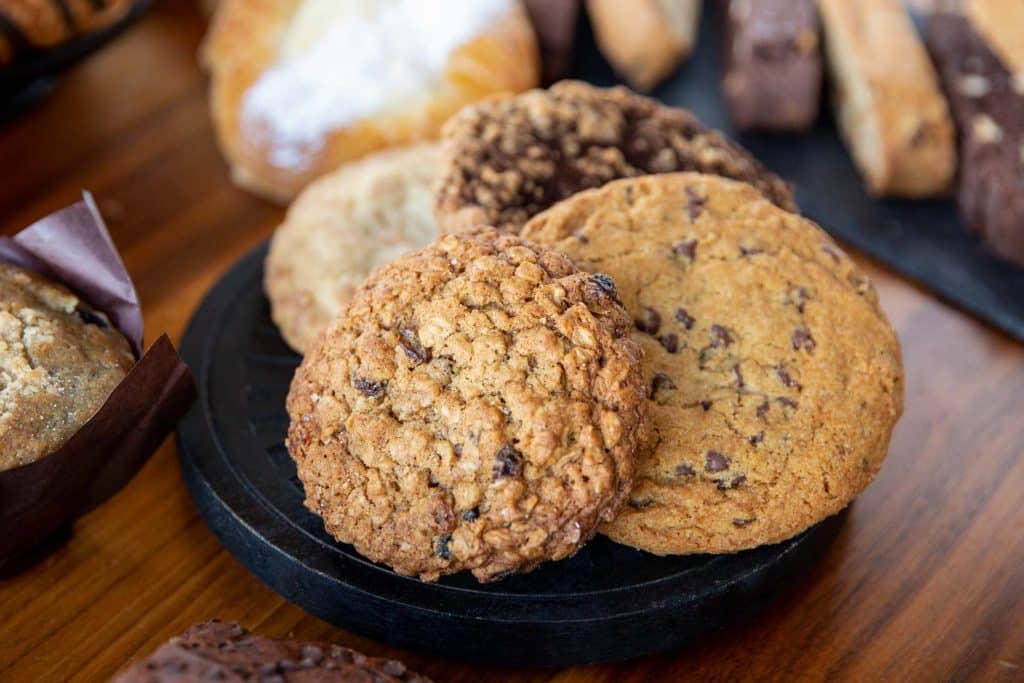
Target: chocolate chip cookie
{"points": [[219, 651], [509, 158], [59, 361], [342, 227], [478, 405], [775, 379]]}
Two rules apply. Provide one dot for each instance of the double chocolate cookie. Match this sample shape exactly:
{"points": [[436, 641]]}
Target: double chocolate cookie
{"points": [[478, 406], [60, 359], [508, 158], [775, 379], [219, 651]]}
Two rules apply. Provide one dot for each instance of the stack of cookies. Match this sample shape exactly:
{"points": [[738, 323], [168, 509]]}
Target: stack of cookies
{"points": [[624, 327]]}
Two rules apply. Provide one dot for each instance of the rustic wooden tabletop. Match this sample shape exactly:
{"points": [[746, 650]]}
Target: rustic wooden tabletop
{"points": [[925, 582]]}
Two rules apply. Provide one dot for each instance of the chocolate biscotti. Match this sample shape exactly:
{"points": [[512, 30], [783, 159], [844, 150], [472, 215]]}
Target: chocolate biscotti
{"points": [[220, 651], [772, 63], [988, 102]]}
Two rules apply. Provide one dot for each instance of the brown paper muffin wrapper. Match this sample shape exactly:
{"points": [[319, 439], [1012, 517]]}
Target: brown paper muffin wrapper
{"points": [[73, 247]]}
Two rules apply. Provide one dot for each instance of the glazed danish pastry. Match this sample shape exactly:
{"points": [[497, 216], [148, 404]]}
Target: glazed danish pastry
{"points": [[301, 86]]}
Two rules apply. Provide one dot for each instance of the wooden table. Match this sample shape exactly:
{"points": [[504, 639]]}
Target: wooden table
{"points": [[925, 582]]}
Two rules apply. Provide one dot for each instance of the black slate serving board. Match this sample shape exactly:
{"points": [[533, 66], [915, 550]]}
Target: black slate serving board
{"points": [[608, 602], [924, 240]]}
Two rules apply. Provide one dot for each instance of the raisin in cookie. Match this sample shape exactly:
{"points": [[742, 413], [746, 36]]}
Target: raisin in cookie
{"points": [[220, 651], [478, 405], [342, 227], [509, 158], [775, 379], [59, 361]]}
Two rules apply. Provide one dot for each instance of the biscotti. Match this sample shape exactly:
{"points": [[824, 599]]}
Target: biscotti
{"points": [[772, 63], [224, 651], [645, 40], [889, 108], [509, 158], [988, 102], [1000, 23]]}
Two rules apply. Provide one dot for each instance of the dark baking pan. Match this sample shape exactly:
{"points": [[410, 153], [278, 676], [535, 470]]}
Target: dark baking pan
{"points": [[924, 240], [608, 602]]}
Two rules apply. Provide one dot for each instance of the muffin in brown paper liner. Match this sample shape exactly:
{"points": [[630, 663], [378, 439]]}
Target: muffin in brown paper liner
{"points": [[72, 247]]}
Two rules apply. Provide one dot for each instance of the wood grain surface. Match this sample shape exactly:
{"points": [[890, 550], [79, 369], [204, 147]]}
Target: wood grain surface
{"points": [[925, 582]]}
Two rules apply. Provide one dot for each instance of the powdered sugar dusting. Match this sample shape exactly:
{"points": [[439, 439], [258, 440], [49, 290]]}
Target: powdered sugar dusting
{"points": [[342, 61]]}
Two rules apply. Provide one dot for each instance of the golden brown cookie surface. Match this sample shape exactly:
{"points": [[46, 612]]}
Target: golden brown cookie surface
{"points": [[507, 159], [775, 378], [59, 361], [477, 406]]}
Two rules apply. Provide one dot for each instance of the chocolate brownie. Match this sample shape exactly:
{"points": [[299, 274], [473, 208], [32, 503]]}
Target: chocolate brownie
{"points": [[478, 406], [508, 158], [772, 63], [60, 359], [988, 105], [775, 379], [220, 651]]}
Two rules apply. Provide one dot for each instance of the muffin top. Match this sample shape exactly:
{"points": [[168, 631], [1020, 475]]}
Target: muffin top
{"points": [[59, 361]]}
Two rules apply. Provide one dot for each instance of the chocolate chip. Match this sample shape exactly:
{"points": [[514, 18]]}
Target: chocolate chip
{"points": [[694, 204], [507, 462], [720, 336], [685, 318], [661, 381], [370, 388], [757, 438], [706, 405], [641, 503], [410, 343], [441, 548], [763, 409], [670, 342], [685, 471], [90, 318], [715, 461], [749, 251], [687, 248], [471, 515], [288, 666], [739, 376], [802, 339], [606, 286], [742, 522], [457, 449], [786, 378], [799, 296], [583, 239], [786, 401], [649, 321], [726, 484]]}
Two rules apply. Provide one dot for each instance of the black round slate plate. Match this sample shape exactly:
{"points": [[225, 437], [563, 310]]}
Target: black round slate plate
{"points": [[609, 602]]}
